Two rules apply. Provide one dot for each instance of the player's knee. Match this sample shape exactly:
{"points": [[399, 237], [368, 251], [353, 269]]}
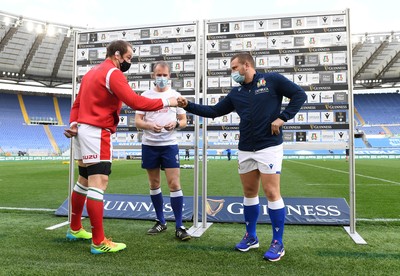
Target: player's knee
{"points": [[174, 185], [99, 168]]}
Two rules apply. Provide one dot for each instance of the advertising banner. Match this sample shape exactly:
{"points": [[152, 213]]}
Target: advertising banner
{"points": [[320, 211]]}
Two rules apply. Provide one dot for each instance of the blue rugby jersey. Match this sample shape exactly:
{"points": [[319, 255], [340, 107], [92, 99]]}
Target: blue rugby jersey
{"points": [[258, 104]]}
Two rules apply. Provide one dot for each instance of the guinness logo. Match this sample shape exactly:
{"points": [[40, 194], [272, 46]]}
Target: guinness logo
{"points": [[214, 206]]}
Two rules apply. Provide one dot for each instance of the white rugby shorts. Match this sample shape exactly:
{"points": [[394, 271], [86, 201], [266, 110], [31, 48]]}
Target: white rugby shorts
{"points": [[267, 161], [93, 144]]}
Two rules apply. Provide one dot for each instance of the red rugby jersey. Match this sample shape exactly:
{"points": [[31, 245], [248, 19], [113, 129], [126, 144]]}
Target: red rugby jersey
{"points": [[100, 97]]}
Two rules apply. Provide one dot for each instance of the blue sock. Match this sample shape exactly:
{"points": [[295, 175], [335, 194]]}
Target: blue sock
{"points": [[251, 210], [158, 203], [277, 213], [177, 206]]}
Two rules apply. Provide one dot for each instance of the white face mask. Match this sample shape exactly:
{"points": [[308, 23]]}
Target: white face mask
{"points": [[161, 82]]}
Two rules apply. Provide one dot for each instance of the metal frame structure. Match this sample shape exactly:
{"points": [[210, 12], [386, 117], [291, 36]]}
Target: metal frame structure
{"points": [[18, 63]]}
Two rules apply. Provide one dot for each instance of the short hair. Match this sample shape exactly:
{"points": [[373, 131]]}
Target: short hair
{"points": [[243, 57], [162, 63], [117, 45]]}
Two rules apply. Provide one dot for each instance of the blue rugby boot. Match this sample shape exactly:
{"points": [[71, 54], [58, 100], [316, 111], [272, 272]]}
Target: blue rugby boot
{"points": [[275, 252], [247, 243]]}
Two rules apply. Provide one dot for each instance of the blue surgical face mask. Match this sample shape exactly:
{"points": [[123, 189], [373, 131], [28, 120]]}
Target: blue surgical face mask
{"points": [[237, 77], [161, 82]]}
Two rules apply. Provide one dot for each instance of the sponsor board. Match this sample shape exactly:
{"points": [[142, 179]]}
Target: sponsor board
{"points": [[321, 211], [324, 211]]}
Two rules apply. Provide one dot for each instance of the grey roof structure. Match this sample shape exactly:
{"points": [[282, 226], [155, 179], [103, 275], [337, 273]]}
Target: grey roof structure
{"points": [[32, 50], [41, 52], [376, 60]]}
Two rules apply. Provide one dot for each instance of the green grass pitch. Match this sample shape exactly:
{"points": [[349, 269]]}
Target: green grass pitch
{"points": [[28, 249]]}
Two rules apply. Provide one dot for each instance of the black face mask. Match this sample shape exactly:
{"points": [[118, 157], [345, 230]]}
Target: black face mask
{"points": [[124, 66]]}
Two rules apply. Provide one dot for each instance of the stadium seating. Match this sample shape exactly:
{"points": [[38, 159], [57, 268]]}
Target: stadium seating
{"points": [[383, 143], [58, 135], [40, 108], [394, 129], [372, 130], [17, 135], [65, 106], [378, 108], [359, 143]]}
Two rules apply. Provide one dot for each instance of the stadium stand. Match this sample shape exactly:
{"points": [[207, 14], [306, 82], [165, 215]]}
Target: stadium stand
{"points": [[394, 129], [359, 143], [383, 108], [64, 104], [384, 142], [376, 60], [20, 135], [40, 109], [40, 65]]}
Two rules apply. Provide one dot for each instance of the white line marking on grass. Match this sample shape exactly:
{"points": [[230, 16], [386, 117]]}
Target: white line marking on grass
{"points": [[332, 184], [323, 184], [379, 219], [58, 225], [346, 172], [28, 209]]}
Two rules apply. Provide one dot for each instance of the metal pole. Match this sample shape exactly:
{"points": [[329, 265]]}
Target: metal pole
{"points": [[71, 178], [351, 130], [196, 137], [205, 140]]}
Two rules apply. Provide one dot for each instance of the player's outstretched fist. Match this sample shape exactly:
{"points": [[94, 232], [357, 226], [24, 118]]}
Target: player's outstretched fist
{"points": [[182, 102]]}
